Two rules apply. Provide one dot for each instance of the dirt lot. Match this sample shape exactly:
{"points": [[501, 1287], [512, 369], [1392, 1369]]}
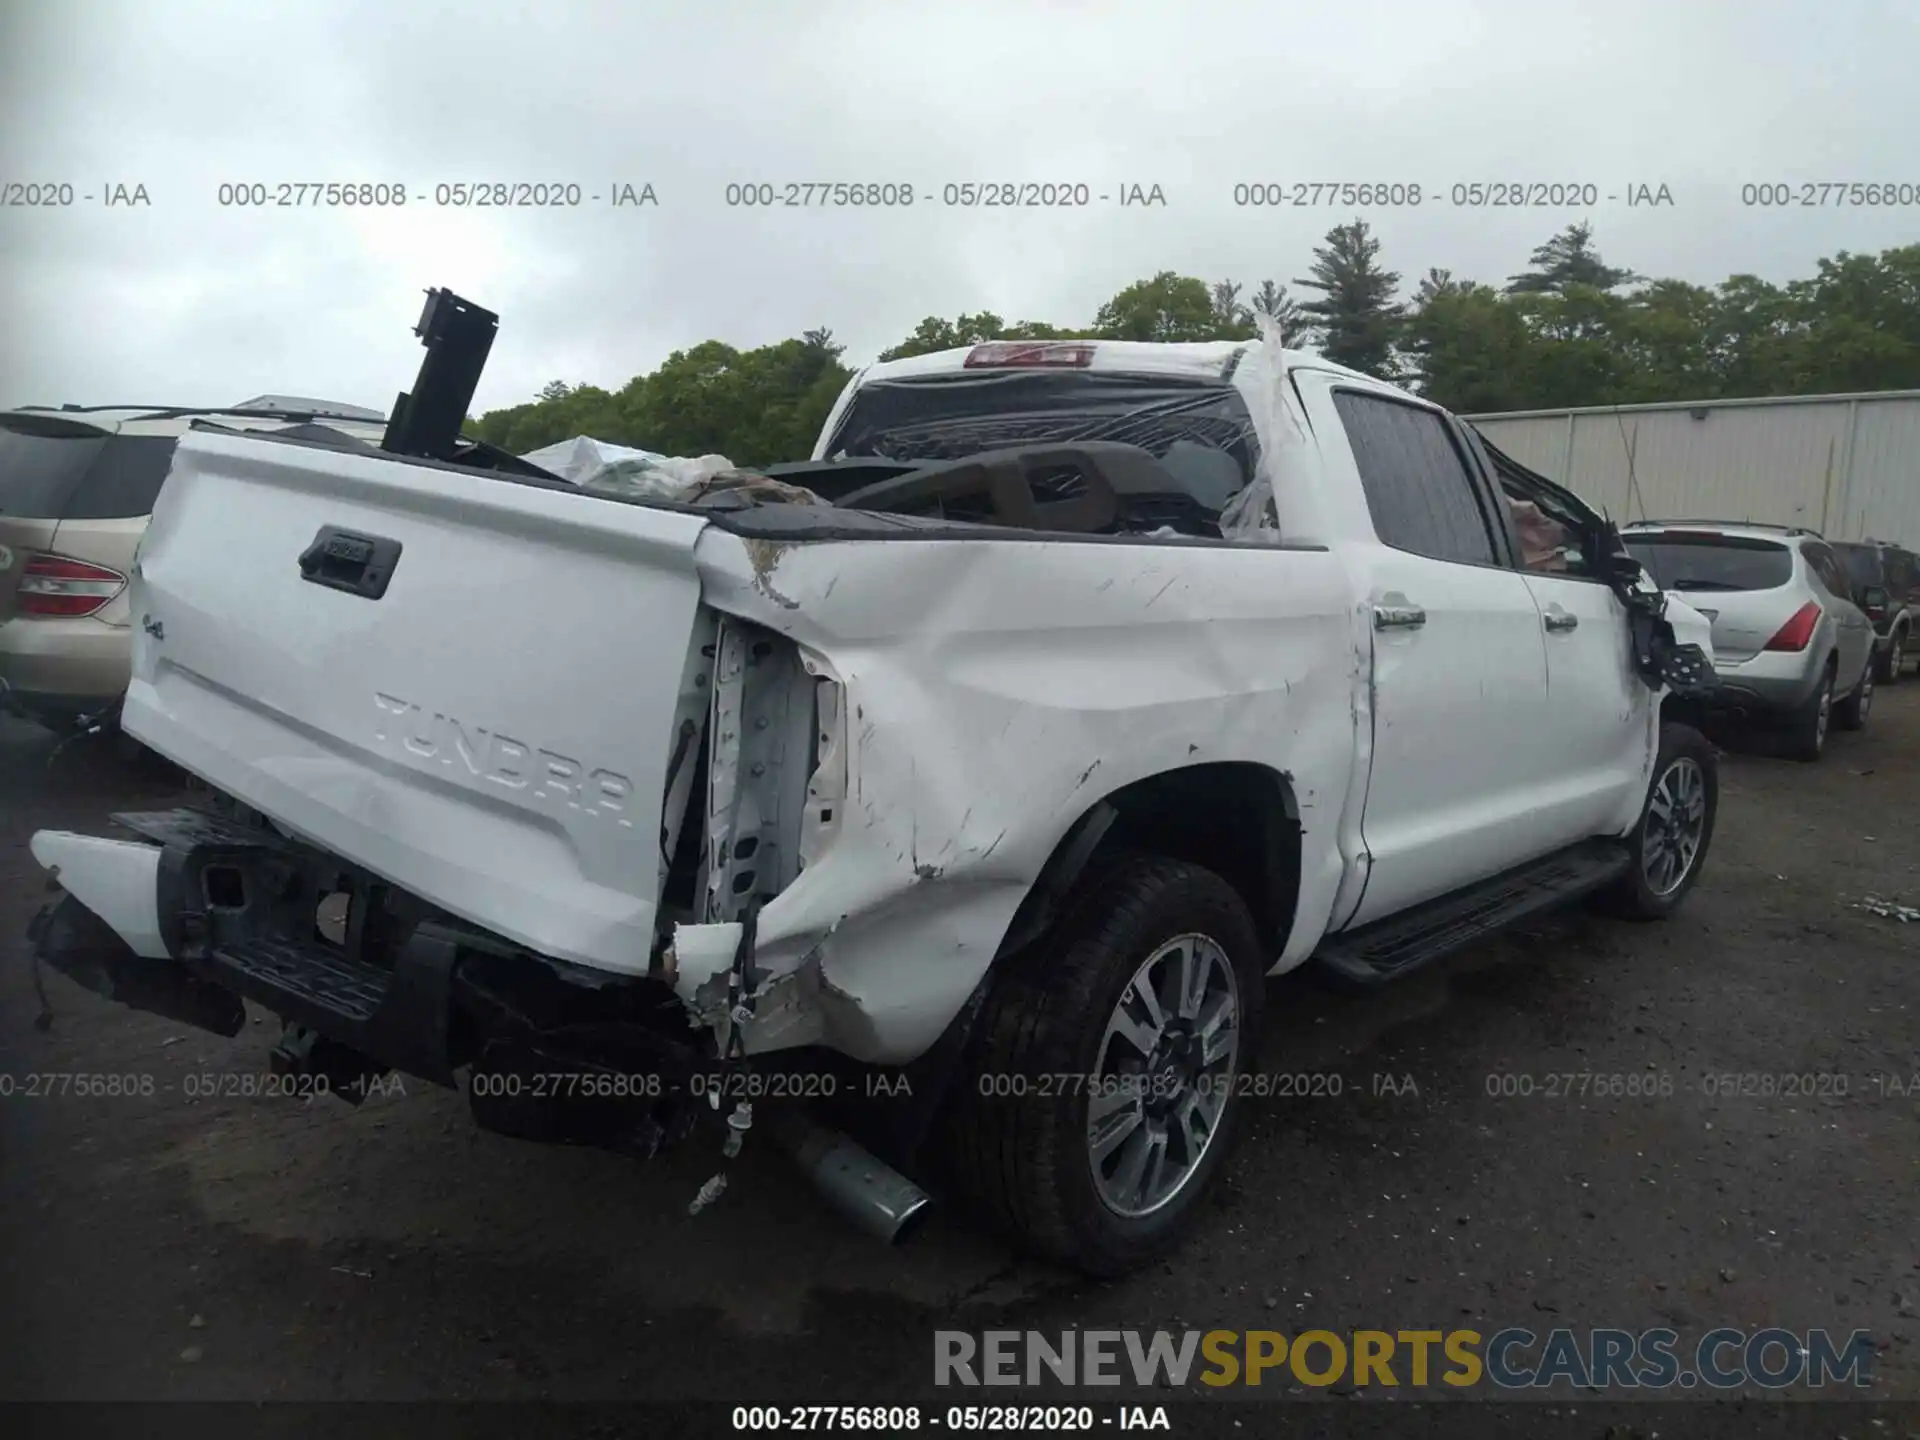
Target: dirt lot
{"points": [[251, 1248]]}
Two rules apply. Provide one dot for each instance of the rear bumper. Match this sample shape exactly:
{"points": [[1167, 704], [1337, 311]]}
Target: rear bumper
{"points": [[52, 670], [1766, 684], [204, 913]]}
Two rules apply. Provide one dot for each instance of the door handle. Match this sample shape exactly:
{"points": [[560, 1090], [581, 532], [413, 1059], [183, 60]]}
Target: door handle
{"points": [[342, 560], [1398, 615], [1559, 620]]}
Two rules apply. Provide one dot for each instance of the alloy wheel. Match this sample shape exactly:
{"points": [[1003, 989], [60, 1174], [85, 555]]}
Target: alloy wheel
{"points": [[1162, 1075], [1675, 826]]}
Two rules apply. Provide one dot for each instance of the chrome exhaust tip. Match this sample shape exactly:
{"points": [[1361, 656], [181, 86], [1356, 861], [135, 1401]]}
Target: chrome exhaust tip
{"points": [[861, 1186]]}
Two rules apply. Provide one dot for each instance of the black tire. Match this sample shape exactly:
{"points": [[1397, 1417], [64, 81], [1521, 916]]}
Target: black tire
{"points": [[1851, 713], [1635, 896], [1806, 728], [1023, 1160], [1893, 662]]}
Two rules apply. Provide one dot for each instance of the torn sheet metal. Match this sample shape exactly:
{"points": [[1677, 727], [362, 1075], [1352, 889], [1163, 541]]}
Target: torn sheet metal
{"points": [[990, 695], [1282, 502]]}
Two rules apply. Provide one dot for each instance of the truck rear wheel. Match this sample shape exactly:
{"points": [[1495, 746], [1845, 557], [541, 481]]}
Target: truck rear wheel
{"points": [[1102, 1102]]}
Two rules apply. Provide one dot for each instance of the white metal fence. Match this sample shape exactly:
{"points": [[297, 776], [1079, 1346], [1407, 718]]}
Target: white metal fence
{"points": [[1846, 465]]}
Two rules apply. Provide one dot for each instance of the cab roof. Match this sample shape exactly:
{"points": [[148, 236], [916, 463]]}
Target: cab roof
{"points": [[1194, 360]]}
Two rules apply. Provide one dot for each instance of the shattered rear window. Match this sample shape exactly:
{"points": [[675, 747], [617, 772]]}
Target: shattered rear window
{"points": [[1712, 562], [1200, 431]]}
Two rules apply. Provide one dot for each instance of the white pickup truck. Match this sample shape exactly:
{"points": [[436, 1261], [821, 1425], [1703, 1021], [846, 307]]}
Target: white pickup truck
{"points": [[963, 787]]}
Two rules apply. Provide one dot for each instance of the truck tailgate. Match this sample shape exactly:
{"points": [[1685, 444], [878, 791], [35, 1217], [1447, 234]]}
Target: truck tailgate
{"points": [[491, 731]]}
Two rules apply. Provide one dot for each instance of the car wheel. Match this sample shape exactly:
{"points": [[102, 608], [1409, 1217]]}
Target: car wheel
{"points": [[1851, 713], [1807, 726], [1669, 845], [1102, 1104], [1894, 661]]}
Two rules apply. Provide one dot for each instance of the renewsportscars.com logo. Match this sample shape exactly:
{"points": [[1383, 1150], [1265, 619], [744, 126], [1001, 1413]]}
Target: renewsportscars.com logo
{"points": [[1510, 1359]]}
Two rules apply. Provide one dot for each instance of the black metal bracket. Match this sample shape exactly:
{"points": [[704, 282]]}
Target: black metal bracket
{"points": [[458, 335]]}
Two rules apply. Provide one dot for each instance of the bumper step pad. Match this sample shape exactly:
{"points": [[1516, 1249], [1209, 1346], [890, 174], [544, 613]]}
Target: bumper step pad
{"points": [[314, 983]]}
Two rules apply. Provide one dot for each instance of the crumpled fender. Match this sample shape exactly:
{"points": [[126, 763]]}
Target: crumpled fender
{"points": [[993, 691]]}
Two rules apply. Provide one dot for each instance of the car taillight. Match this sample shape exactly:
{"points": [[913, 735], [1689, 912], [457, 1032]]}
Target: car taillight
{"points": [[1795, 634], [1034, 354], [52, 586]]}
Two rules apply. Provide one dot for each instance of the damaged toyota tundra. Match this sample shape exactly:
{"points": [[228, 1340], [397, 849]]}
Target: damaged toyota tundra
{"points": [[937, 807]]}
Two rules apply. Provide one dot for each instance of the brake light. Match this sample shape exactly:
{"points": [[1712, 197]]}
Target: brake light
{"points": [[1797, 632], [54, 587], [1031, 354]]}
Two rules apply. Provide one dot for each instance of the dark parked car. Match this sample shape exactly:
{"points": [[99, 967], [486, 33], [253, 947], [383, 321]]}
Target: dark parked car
{"points": [[1886, 584]]}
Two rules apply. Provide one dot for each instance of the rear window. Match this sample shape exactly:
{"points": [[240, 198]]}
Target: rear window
{"points": [[1862, 562], [1903, 571], [124, 480], [67, 477], [1712, 562], [39, 472], [1201, 432]]}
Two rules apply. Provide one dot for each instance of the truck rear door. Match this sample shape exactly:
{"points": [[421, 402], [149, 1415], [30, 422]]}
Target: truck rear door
{"points": [[1461, 751]]}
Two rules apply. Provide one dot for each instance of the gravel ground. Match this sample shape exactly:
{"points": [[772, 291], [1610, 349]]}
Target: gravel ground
{"points": [[255, 1249]]}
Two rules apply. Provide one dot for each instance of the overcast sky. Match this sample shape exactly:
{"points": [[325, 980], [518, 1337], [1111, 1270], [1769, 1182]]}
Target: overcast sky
{"points": [[184, 301]]}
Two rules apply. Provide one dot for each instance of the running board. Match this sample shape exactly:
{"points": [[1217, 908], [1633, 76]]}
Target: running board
{"points": [[1390, 948]]}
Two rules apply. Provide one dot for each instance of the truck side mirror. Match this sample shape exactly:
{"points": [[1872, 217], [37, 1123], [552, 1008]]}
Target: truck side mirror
{"points": [[1874, 597]]}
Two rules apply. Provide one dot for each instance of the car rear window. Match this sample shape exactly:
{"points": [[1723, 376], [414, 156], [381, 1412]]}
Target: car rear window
{"points": [[1862, 562], [81, 476], [39, 472], [1712, 562], [124, 480], [1903, 573]]}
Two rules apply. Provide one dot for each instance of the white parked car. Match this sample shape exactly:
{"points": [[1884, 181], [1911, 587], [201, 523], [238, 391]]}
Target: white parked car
{"points": [[973, 808]]}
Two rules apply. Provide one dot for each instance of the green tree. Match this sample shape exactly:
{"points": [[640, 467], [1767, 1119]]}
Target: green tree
{"points": [[1667, 338], [1471, 349], [1168, 307], [1569, 259], [1356, 315], [933, 334], [1577, 358], [1861, 318], [1272, 299], [1437, 283], [1232, 317], [1853, 324]]}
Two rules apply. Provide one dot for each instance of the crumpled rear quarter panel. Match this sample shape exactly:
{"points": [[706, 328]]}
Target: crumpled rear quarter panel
{"points": [[995, 690]]}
